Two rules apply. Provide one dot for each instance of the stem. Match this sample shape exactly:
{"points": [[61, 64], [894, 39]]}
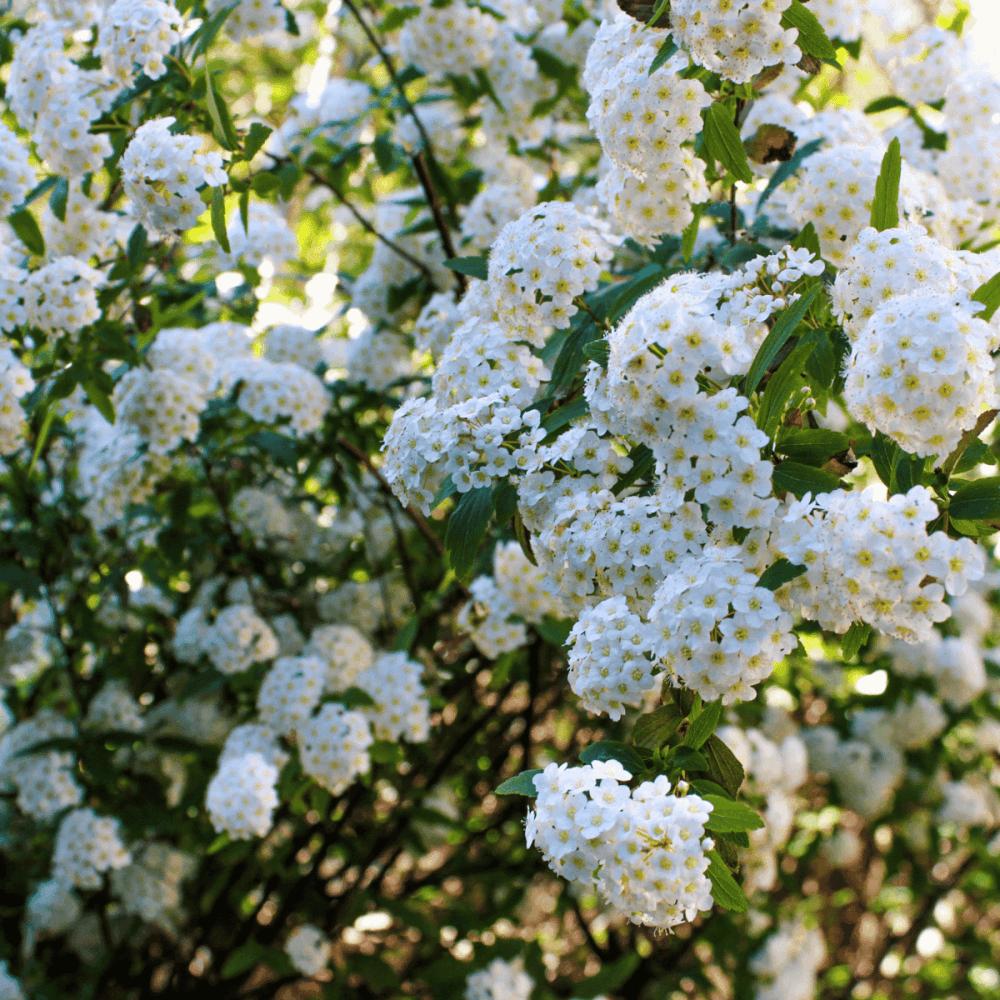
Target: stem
{"points": [[420, 167], [603, 324], [733, 211], [984, 421]]}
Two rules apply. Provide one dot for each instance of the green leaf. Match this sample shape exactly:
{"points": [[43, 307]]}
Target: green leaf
{"points": [[599, 351], [787, 169], [778, 574], [722, 140], [885, 206], [20, 579], [467, 529], [609, 979], [613, 750], [520, 784], [472, 267], [665, 51], [883, 456], [704, 788], [782, 385], [655, 728], [48, 415], [38, 190], [723, 765], [731, 817], [135, 250], [255, 139], [355, 697], [686, 759], [264, 183], [726, 890], [207, 32], [792, 477], [100, 399], [245, 210], [812, 40], [219, 219], [978, 453], [854, 638], [23, 223], [397, 17], [813, 447], [643, 461], [58, 198], [245, 957], [385, 153], [989, 295], [553, 67], [386, 752], [703, 727], [886, 103], [690, 235], [808, 240], [565, 415], [281, 448], [555, 630], [977, 501], [783, 328], [223, 129]]}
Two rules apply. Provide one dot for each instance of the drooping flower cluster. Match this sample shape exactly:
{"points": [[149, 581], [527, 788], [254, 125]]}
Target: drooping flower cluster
{"points": [[644, 848], [163, 173], [87, 846], [138, 32]]}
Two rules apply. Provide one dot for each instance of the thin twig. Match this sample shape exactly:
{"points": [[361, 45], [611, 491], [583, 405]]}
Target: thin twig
{"points": [[414, 515], [420, 167]]}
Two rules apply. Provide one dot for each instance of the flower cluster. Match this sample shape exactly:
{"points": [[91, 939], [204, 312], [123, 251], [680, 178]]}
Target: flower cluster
{"points": [[644, 848]]}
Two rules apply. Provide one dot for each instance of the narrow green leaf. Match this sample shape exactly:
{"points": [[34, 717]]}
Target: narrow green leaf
{"points": [[472, 267], [690, 234], [520, 784], [782, 385], [808, 240], [613, 750], [219, 219], [43, 433], [977, 501], [555, 630], [666, 50], [726, 890], [722, 140], [23, 223], [811, 446], [686, 759], [885, 206], [731, 817], [886, 103], [643, 461], [467, 529], [397, 17], [59, 198], [783, 328], [655, 728], [599, 351], [792, 477], [255, 139], [989, 295], [854, 638], [609, 979], [223, 129], [100, 399], [135, 249], [704, 788], [723, 765], [245, 210], [812, 40], [778, 574], [703, 727]]}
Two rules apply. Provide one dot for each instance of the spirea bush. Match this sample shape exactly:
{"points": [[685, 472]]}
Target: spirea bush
{"points": [[498, 501]]}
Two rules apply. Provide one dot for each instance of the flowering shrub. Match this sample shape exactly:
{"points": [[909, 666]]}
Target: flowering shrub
{"points": [[485, 486]]}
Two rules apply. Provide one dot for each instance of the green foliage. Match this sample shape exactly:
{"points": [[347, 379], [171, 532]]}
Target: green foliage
{"points": [[885, 206], [722, 140], [520, 784]]}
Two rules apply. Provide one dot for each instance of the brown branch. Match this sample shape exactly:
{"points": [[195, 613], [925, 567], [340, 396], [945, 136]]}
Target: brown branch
{"points": [[420, 167], [414, 515]]}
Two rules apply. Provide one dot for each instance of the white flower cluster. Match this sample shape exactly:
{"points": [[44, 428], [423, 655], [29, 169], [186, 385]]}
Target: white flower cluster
{"points": [[345, 652], [308, 949], [921, 372], [87, 845], [163, 407], [517, 588], [56, 101], [401, 708], [86, 231], [451, 39], [645, 123], [922, 67], [272, 390], [17, 177], [542, 261], [735, 39], [241, 796], [44, 780], [290, 692], [500, 980], [150, 887], [267, 242], [870, 560], [162, 175], [113, 709], [15, 383], [137, 32], [239, 637], [788, 965], [288, 343], [644, 848], [954, 663], [334, 747], [51, 909], [61, 296]]}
